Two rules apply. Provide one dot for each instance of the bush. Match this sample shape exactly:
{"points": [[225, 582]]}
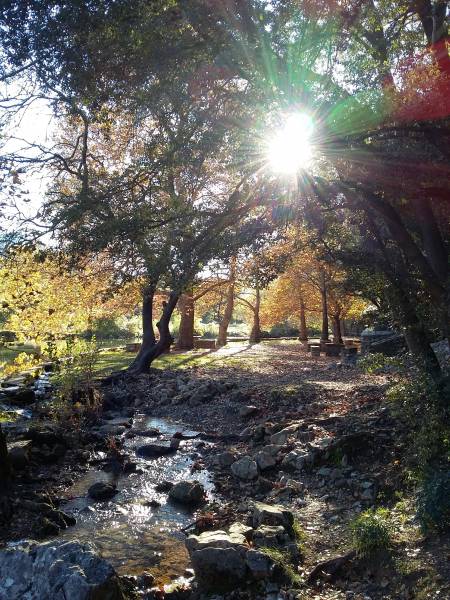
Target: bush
{"points": [[434, 502], [371, 531], [378, 362], [418, 402], [106, 328]]}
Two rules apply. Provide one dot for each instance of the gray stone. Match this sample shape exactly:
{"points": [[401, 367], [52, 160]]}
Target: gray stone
{"points": [[265, 461], [155, 450], [19, 454], [187, 492], [245, 468], [282, 436], [296, 460], [218, 569], [270, 536], [247, 411], [56, 570], [272, 514], [102, 491], [224, 459], [215, 539], [241, 529], [259, 564]]}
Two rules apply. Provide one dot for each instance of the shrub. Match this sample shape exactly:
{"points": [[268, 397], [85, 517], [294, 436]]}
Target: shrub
{"points": [[378, 362], [371, 531], [434, 502], [75, 393], [418, 402]]}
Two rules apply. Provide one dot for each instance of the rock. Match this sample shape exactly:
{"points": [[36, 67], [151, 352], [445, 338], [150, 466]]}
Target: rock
{"points": [[164, 486], [56, 570], [260, 565], [19, 455], [215, 539], [187, 492], [224, 459], [47, 527], [102, 491], [218, 559], [241, 529], [265, 461], [267, 514], [46, 436], [269, 536], [155, 450], [120, 422], [282, 436], [22, 396], [245, 468], [296, 460], [48, 455], [218, 569], [110, 429], [247, 411]]}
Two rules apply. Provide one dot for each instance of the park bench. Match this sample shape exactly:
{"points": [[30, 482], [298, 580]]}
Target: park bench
{"points": [[205, 344]]}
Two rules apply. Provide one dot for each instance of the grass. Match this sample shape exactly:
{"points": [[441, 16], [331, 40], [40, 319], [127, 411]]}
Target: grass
{"points": [[371, 532], [116, 360], [284, 563]]}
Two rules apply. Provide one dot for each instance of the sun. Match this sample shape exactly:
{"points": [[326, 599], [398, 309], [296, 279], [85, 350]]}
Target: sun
{"points": [[290, 149]]}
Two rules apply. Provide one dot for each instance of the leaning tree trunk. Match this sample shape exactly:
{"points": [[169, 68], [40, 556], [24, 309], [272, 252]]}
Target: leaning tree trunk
{"points": [[148, 333], [186, 332], [255, 334], [303, 335], [144, 359], [229, 306], [337, 333], [323, 292]]}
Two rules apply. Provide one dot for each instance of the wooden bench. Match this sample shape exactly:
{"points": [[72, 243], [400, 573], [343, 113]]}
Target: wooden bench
{"points": [[205, 344]]}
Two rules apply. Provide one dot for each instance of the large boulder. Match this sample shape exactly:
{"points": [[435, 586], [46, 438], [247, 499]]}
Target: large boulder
{"points": [[187, 492], [56, 570], [218, 559], [245, 468]]}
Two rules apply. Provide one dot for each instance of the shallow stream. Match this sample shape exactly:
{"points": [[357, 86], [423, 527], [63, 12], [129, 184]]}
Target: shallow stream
{"points": [[127, 531]]}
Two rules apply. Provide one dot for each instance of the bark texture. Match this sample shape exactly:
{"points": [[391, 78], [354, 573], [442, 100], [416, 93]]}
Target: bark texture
{"points": [[187, 311], [229, 306]]}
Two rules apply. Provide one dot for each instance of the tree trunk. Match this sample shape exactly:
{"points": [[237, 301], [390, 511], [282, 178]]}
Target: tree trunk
{"points": [[186, 333], [323, 293], [148, 333], [303, 337], [337, 333], [255, 335], [229, 305], [144, 359]]}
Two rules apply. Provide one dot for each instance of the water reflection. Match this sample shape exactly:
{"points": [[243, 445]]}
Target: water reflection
{"points": [[129, 531]]}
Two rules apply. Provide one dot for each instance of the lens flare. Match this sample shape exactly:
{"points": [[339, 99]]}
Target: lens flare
{"points": [[290, 149]]}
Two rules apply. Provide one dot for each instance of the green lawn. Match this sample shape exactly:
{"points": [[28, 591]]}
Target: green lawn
{"points": [[114, 361]]}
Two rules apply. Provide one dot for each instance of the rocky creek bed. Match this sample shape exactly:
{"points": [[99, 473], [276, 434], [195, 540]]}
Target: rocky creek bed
{"points": [[283, 463]]}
